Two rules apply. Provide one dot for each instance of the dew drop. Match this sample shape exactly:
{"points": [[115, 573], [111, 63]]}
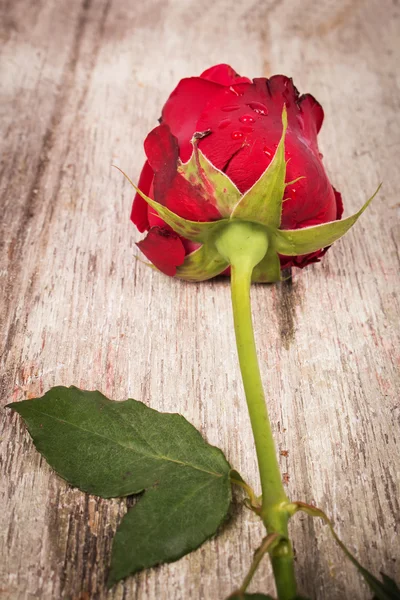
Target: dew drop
{"points": [[236, 135], [266, 151], [236, 89], [258, 108], [246, 119], [230, 107], [224, 123]]}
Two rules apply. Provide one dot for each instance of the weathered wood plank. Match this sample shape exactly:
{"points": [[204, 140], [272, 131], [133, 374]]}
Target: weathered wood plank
{"points": [[83, 82]]}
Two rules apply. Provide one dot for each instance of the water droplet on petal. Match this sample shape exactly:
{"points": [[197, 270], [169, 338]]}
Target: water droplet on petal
{"points": [[224, 123], [236, 89], [230, 107], [258, 108], [266, 151], [236, 135], [246, 119]]}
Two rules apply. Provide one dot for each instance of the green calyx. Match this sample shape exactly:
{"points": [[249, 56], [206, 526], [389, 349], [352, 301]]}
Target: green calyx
{"points": [[260, 206], [242, 243]]}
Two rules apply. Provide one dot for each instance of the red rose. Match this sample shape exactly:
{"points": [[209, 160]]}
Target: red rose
{"points": [[243, 122]]}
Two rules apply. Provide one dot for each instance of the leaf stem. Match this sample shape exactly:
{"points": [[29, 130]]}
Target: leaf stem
{"points": [[252, 498]]}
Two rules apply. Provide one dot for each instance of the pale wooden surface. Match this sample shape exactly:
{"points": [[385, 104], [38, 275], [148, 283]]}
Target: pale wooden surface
{"points": [[82, 84]]}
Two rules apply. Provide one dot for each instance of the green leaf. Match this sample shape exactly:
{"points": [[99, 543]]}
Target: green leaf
{"points": [[386, 590], [269, 269], [118, 448], [170, 521], [309, 239], [196, 231], [262, 203], [202, 264], [216, 186]]}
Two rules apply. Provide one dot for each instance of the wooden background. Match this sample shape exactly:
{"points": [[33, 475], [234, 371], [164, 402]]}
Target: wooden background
{"points": [[82, 83]]}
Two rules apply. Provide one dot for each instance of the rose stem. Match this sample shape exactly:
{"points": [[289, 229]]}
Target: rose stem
{"points": [[244, 245]]}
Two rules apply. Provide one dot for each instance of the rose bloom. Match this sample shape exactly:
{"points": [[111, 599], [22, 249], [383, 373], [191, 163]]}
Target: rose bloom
{"points": [[243, 122]]}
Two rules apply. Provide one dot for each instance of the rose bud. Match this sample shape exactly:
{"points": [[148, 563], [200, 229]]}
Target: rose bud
{"points": [[231, 149]]}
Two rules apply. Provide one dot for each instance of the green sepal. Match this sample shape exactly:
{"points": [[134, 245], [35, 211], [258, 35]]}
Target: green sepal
{"points": [[200, 172], [196, 231], [310, 239], [202, 264], [384, 590], [269, 269], [262, 203]]}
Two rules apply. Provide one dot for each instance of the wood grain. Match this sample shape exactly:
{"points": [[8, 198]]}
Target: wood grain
{"points": [[82, 83]]}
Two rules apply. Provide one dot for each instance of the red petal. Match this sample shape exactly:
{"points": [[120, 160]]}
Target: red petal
{"points": [[154, 218], [170, 188], [312, 115], [221, 116], [307, 259], [251, 161], [140, 206], [240, 119], [309, 201], [224, 75], [189, 202], [245, 131], [339, 204], [183, 107], [302, 261], [161, 147], [162, 152], [164, 249], [281, 89]]}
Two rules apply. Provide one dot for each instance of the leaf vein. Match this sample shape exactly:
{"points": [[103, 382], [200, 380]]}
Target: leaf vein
{"points": [[153, 456]]}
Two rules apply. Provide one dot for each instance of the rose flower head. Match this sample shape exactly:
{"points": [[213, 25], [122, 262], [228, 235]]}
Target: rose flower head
{"points": [[227, 149]]}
